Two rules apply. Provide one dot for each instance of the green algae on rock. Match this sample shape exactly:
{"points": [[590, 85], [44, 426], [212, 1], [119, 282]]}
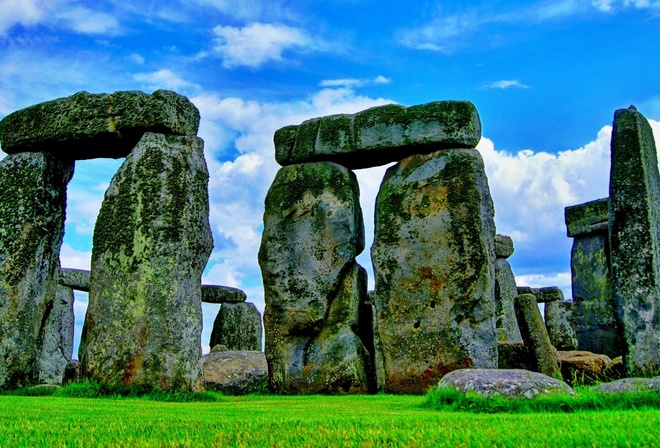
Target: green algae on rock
{"points": [[237, 326]]}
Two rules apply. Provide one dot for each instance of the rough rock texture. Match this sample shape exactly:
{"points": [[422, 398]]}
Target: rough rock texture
{"points": [[503, 246], [512, 355], [380, 135], [583, 367], [238, 327], [57, 343], [434, 259], [314, 289], [629, 385], [235, 372], [515, 383], [77, 279], [590, 217], [543, 295], [560, 323], [32, 204], [151, 242], [86, 125], [635, 240], [222, 294], [541, 353], [505, 295]]}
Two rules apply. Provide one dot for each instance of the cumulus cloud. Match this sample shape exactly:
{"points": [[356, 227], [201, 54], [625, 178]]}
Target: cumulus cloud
{"points": [[165, 79], [505, 84], [87, 21], [23, 12]]}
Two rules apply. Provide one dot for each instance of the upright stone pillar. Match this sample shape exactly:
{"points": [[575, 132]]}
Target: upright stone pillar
{"points": [[237, 326], [314, 288], [595, 321], [505, 291], [540, 352], [57, 342], [634, 231], [433, 258], [560, 323], [151, 242], [32, 204]]}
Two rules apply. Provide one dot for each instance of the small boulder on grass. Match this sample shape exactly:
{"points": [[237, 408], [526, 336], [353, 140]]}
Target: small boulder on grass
{"points": [[583, 366], [235, 372], [513, 383], [634, 385]]}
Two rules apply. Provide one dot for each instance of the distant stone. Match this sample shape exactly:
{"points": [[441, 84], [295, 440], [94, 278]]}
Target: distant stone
{"points": [[560, 323], [87, 126], [515, 383], [583, 367], [380, 135], [512, 355], [32, 204], [505, 295], [543, 295], [540, 352], [57, 342], [222, 294], [503, 246], [635, 240], [237, 326], [587, 218], [235, 372], [77, 279], [629, 385], [433, 259]]}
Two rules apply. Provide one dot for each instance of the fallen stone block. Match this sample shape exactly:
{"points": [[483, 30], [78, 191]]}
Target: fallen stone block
{"points": [[235, 372], [629, 385], [540, 352], [583, 367]]}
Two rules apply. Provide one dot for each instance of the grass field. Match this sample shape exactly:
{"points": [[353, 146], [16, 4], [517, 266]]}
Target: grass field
{"points": [[272, 421]]}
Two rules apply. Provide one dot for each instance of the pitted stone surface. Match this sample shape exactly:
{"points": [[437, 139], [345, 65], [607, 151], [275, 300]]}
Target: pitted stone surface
{"points": [[434, 258], [503, 246], [86, 125], [77, 279], [32, 204], [57, 343], [380, 135], [635, 240], [587, 218], [560, 323], [543, 295], [514, 383], [629, 385], [222, 294], [505, 295], [151, 243], [541, 354], [235, 372], [237, 326]]}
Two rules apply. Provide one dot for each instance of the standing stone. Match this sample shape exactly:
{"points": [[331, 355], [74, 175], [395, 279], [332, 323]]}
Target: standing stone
{"points": [[433, 257], [635, 240], [238, 327], [313, 231], [505, 291], [57, 343], [541, 354], [32, 205], [151, 242], [560, 323]]}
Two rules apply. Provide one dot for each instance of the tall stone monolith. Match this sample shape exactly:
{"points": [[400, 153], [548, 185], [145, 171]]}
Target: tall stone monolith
{"points": [[505, 291], [57, 343], [151, 242], [237, 326], [32, 207], [560, 323], [540, 353], [314, 288], [433, 258], [634, 234]]}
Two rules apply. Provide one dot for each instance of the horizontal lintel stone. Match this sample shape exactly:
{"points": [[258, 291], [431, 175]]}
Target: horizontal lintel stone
{"points": [[77, 279], [222, 294], [590, 217], [543, 295], [503, 246], [380, 135]]}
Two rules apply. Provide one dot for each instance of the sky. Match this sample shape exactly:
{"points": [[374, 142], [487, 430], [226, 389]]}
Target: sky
{"points": [[546, 77]]}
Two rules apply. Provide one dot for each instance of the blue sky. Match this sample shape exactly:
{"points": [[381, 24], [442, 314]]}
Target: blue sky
{"points": [[546, 77]]}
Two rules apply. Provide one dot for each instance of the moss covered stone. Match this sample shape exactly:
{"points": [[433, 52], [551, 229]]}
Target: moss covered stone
{"points": [[151, 242], [541, 354], [505, 295], [237, 326], [380, 135], [587, 218], [57, 342], [560, 323], [86, 126], [433, 258]]}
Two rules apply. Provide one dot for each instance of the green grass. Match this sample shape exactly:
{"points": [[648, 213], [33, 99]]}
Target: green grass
{"points": [[274, 421]]}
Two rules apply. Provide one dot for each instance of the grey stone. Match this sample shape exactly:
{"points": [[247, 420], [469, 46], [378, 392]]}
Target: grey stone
{"points": [[513, 383], [560, 323], [583, 367], [587, 218], [86, 125], [77, 279], [380, 135], [541, 354], [235, 372], [512, 355], [237, 326], [151, 242], [635, 240], [313, 231], [543, 295], [505, 295], [503, 246], [434, 259], [222, 294], [57, 342], [32, 204], [629, 385]]}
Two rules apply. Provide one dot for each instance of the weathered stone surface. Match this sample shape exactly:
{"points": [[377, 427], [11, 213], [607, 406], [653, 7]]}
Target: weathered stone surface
{"points": [[503, 246], [86, 125], [541, 353], [433, 259], [57, 342], [635, 240], [238, 327], [512, 355], [222, 294], [543, 295], [560, 323], [313, 231], [515, 383], [505, 295], [151, 242], [380, 135], [77, 279], [587, 218], [583, 367], [32, 203], [627, 385], [235, 372]]}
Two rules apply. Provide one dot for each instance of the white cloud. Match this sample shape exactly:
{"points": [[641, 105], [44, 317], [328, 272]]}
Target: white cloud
{"points": [[24, 12], [71, 258], [354, 82], [505, 84], [165, 79], [88, 21]]}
